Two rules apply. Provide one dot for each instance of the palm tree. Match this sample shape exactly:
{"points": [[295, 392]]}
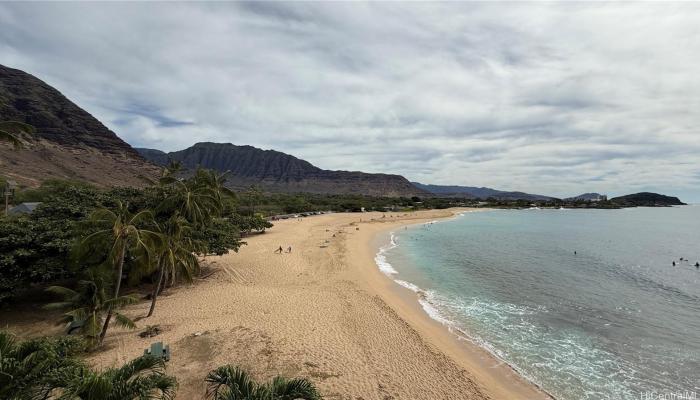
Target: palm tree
{"points": [[215, 181], [253, 197], [142, 378], [12, 131], [197, 203], [88, 305], [169, 172], [123, 232], [176, 257], [28, 368], [232, 383]]}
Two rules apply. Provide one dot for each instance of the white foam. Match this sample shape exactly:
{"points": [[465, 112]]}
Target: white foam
{"points": [[433, 312], [408, 285], [380, 257]]}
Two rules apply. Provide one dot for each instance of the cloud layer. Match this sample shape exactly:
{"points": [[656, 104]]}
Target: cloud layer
{"points": [[548, 98]]}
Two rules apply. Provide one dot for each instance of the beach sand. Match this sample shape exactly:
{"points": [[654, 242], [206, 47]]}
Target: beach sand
{"points": [[324, 311]]}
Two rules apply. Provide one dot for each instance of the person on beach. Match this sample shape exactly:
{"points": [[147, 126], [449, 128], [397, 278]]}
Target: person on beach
{"points": [[673, 263], [279, 250], [289, 249]]}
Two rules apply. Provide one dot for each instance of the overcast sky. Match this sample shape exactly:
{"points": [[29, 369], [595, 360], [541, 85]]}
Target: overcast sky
{"points": [[548, 98]]}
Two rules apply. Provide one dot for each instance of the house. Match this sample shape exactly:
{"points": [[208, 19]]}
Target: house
{"points": [[23, 208]]}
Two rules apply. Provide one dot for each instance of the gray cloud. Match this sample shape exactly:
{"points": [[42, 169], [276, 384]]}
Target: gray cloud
{"points": [[549, 98]]}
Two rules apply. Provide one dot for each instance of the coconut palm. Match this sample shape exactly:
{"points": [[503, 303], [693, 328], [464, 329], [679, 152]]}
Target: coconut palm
{"points": [[176, 257], [196, 203], [169, 172], [253, 197], [215, 181], [28, 369], [12, 131], [140, 379], [232, 383], [87, 306], [122, 232]]}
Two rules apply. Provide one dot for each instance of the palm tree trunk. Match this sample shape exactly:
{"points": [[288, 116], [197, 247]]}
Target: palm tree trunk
{"points": [[156, 290], [117, 286]]}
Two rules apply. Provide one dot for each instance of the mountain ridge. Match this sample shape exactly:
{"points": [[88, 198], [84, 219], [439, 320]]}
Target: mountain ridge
{"points": [[69, 143], [277, 171], [478, 192], [591, 196]]}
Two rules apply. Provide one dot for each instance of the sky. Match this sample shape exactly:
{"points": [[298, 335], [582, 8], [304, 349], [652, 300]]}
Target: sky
{"points": [[547, 98]]}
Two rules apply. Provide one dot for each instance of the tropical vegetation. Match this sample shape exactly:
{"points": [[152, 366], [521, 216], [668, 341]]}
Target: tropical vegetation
{"points": [[51, 368], [86, 307], [230, 382]]}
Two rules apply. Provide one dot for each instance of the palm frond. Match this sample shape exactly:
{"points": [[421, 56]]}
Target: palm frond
{"points": [[292, 389], [145, 363], [124, 321], [121, 301], [230, 383], [61, 291]]}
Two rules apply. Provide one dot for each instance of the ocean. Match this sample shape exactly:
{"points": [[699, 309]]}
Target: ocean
{"points": [[584, 303]]}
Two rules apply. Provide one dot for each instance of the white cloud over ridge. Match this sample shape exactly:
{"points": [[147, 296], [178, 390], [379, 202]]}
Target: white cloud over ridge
{"points": [[547, 98]]}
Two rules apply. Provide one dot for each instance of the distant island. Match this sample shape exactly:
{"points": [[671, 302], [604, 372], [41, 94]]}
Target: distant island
{"points": [[642, 199]]}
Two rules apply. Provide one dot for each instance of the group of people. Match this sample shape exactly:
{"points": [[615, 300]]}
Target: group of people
{"points": [[280, 250], [697, 263]]}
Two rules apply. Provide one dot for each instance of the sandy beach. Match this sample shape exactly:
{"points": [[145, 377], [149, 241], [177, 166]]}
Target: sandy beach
{"points": [[323, 311]]}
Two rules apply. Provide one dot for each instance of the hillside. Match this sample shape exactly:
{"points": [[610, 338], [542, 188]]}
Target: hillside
{"points": [[646, 199], [277, 171], [478, 192], [586, 197], [69, 142]]}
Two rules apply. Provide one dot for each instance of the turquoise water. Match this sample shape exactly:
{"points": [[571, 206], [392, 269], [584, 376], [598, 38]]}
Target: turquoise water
{"points": [[614, 321]]}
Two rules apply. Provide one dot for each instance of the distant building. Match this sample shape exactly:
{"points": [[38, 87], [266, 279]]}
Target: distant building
{"points": [[23, 208]]}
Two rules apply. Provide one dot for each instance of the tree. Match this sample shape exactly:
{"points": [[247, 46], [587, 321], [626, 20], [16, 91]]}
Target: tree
{"points": [[50, 368], [215, 181], [142, 378], [12, 131], [88, 305], [176, 255], [198, 204], [123, 232], [253, 197], [232, 383], [219, 237], [28, 369], [36, 248]]}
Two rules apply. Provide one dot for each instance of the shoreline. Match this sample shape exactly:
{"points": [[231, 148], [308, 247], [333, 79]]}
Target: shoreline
{"points": [[324, 311], [500, 379]]}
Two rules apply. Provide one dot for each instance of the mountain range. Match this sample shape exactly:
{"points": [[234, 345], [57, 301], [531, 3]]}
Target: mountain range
{"points": [[69, 143], [478, 192], [276, 171]]}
